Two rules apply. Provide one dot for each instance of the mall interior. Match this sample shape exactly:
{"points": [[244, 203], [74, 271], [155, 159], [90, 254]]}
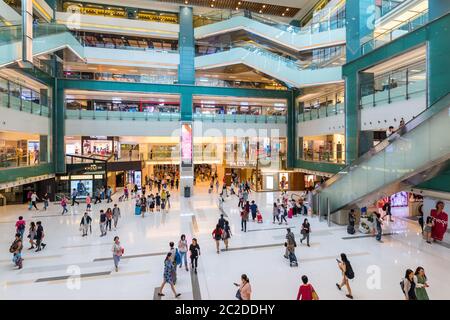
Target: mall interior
{"points": [[342, 104]]}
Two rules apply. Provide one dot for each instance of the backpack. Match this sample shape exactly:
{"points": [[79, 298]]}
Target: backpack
{"points": [[349, 271], [402, 285], [13, 247]]}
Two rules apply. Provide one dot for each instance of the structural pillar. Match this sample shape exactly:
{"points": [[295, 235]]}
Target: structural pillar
{"points": [[291, 128], [58, 125], [186, 45], [360, 19]]}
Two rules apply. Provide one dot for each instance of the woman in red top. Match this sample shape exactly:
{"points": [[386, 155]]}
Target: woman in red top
{"points": [[306, 291], [440, 222], [217, 236]]}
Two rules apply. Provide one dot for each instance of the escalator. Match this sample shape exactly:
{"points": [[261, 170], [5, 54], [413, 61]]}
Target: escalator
{"points": [[418, 152], [288, 36], [278, 67], [47, 38]]}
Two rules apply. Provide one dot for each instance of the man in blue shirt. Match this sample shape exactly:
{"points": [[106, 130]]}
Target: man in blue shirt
{"points": [[253, 210]]}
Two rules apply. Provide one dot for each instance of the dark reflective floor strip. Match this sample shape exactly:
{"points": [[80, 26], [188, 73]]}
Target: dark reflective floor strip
{"points": [[444, 244], [255, 247], [155, 294], [281, 228], [368, 236], [57, 215], [195, 224], [223, 212], [85, 275], [134, 256], [195, 286]]}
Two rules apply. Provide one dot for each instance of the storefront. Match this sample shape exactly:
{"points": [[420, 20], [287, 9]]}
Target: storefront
{"points": [[93, 145], [86, 178]]}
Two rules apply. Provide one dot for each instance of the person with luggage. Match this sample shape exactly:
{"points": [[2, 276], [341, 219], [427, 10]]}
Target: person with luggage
{"points": [[85, 224], [102, 222], [168, 276], [39, 237], [32, 235], [276, 212], [116, 215], [16, 250], [217, 236], [20, 226], [194, 249], [347, 273], [183, 249], [64, 205], [245, 289], [117, 251], [351, 222], [244, 218], [306, 230], [253, 210], [290, 245], [306, 291]]}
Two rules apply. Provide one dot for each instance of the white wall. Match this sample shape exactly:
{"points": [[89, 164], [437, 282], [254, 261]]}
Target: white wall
{"points": [[134, 58], [372, 118], [19, 121]]}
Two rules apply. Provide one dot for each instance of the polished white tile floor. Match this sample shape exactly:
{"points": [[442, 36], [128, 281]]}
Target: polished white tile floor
{"points": [[379, 267]]}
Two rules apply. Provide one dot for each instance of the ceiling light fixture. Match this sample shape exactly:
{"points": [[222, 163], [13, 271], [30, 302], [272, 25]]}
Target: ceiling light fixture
{"points": [[212, 6], [287, 9], [264, 5]]}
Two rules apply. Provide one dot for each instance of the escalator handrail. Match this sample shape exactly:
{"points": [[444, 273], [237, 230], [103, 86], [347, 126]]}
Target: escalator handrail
{"points": [[410, 125]]}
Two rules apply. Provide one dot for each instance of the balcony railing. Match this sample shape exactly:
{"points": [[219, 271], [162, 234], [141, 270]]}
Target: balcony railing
{"points": [[322, 112], [323, 156], [411, 24], [121, 115], [241, 118]]}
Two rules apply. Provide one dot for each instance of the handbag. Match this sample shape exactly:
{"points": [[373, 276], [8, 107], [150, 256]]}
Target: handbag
{"points": [[314, 295], [238, 294]]}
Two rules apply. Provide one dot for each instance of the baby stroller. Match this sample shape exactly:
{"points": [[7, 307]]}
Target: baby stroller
{"points": [[121, 198]]}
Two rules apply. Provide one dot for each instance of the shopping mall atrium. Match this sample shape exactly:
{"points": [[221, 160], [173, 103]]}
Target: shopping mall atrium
{"points": [[177, 111]]}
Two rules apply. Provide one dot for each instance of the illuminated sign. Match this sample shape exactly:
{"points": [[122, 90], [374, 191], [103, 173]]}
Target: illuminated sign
{"points": [[186, 144]]}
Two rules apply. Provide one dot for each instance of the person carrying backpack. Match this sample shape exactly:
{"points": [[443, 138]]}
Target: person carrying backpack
{"points": [[20, 227], [16, 250], [347, 273]]}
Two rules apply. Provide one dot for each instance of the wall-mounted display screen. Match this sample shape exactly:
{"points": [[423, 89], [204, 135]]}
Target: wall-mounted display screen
{"points": [[186, 144]]}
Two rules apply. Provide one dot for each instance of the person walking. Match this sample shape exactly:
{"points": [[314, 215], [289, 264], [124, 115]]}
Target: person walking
{"points": [[45, 198], [427, 229], [276, 212], [16, 249], [109, 216], [244, 218], [125, 193], [217, 236], [245, 289], [168, 276], [283, 214], [183, 249], [194, 249], [378, 225], [173, 257], [109, 194], [64, 205], [221, 221], [20, 226], [116, 215], [34, 198], [306, 291], [102, 223], [98, 196], [88, 202], [85, 224], [40, 236], [291, 244], [226, 234], [117, 251], [421, 284], [74, 197], [347, 273], [32, 235], [409, 285], [306, 230]]}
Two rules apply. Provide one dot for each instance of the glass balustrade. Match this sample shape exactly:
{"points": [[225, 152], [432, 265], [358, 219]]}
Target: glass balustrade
{"points": [[245, 118], [405, 83], [409, 25], [18, 97]]}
